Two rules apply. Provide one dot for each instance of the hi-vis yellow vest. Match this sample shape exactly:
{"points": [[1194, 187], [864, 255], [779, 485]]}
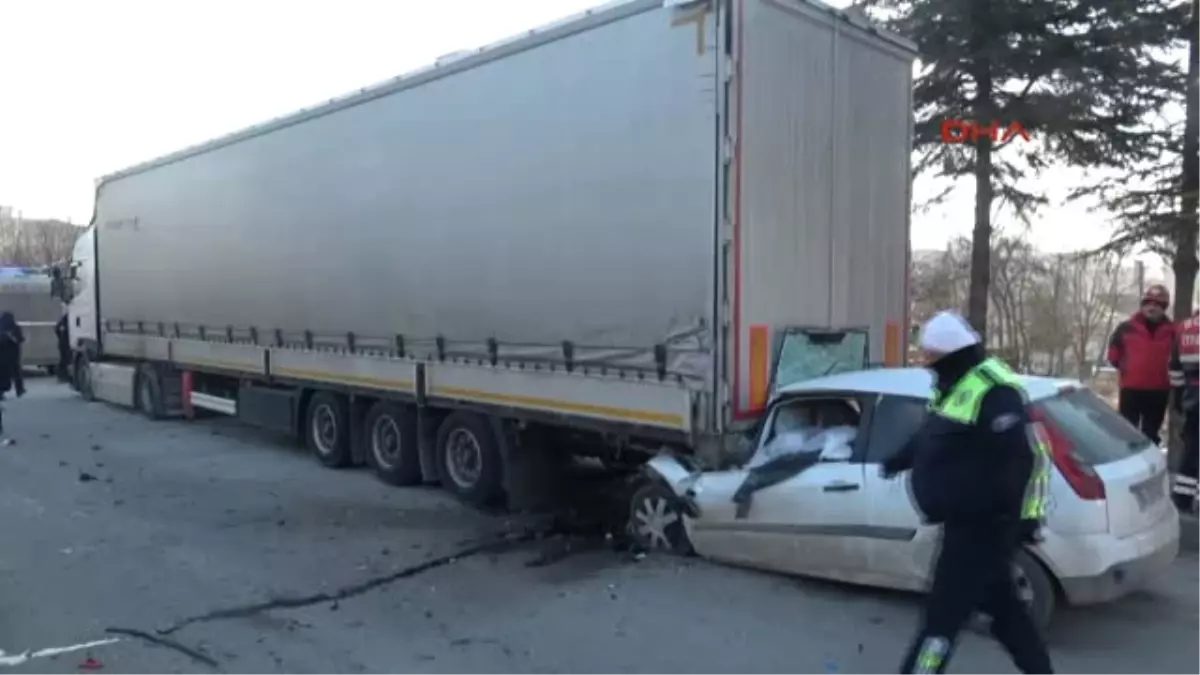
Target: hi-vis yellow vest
{"points": [[962, 405]]}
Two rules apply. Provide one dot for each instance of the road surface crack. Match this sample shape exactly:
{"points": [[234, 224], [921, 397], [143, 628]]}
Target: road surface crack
{"points": [[503, 543], [193, 654]]}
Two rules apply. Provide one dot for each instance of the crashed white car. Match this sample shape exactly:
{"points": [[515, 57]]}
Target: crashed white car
{"points": [[810, 499]]}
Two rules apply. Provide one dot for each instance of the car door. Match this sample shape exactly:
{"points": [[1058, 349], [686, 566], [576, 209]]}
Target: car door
{"points": [[900, 547], [804, 524]]}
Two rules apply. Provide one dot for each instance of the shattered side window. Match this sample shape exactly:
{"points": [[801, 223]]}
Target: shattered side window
{"points": [[828, 427]]}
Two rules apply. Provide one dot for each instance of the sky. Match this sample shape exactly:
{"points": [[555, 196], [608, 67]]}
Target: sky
{"points": [[90, 87]]}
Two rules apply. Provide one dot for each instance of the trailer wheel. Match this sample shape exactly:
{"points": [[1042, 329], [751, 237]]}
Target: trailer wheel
{"points": [[468, 459], [149, 392], [390, 432], [83, 378], [327, 429]]}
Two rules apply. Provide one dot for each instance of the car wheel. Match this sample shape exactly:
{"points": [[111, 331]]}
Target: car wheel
{"points": [[328, 432], [656, 520], [468, 459], [1035, 588], [391, 438]]}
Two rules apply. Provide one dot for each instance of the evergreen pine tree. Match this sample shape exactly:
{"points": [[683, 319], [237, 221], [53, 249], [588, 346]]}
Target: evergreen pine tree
{"points": [[1080, 75]]}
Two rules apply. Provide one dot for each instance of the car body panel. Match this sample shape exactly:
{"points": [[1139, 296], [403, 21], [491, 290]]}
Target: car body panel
{"points": [[1100, 567], [1136, 491], [795, 526]]}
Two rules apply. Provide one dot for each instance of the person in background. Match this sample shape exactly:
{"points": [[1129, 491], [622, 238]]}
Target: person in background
{"points": [[1185, 377], [1140, 350], [980, 470], [11, 340], [62, 331]]}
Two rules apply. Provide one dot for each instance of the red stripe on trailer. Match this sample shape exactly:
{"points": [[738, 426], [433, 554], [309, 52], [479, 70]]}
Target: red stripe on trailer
{"points": [[738, 412], [186, 388]]}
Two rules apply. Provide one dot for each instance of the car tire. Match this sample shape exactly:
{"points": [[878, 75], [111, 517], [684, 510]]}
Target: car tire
{"points": [[327, 429], [390, 437], [1036, 589], [656, 520], [469, 462]]}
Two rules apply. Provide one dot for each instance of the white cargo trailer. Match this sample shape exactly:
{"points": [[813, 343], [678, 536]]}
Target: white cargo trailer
{"points": [[610, 234]]}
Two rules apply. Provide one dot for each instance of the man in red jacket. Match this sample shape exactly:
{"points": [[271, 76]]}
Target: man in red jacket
{"points": [[1140, 350]]}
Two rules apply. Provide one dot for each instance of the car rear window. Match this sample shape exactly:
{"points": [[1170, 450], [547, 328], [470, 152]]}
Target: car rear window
{"points": [[1099, 434]]}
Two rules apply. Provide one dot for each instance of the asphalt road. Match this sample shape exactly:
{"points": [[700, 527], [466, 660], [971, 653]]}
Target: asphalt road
{"points": [[212, 548]]}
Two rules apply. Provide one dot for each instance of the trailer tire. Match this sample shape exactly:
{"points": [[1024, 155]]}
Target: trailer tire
{"points": [[327, 429], [149, 392], [469, 462], [83, 377], [390, 435]]}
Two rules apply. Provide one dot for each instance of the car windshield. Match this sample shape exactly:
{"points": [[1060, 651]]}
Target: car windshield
{"points": [[1098, 433], [805, 354]]}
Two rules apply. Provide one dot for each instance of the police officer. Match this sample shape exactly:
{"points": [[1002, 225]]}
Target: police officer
{"points": [[1185, 377], [980, 471]]}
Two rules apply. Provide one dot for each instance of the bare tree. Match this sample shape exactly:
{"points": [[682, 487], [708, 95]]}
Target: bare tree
{"points": [[1018, 276], [33, 243], [939, 281], [1094, 296], [1050, 313]]}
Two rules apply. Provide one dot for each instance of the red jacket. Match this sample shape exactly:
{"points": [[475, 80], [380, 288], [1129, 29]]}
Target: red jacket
{"points": [[1141, 352]]}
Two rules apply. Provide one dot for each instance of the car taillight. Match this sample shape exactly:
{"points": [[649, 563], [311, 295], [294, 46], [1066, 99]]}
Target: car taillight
{"points": [[1078, 474]]}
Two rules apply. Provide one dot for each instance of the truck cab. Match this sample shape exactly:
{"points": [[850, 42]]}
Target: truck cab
{"points": [[75, 285]]}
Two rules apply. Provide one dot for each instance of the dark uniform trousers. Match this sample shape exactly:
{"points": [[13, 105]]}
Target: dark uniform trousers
{"points": [[1145, 409], [1190, 462], [973, 574]]}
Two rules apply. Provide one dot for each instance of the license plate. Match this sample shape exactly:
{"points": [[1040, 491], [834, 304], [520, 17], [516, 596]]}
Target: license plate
{"points": [[1150, 492]]}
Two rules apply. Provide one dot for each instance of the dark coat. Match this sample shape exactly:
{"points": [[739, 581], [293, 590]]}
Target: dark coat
{"points": [[969, 473], [11, 339]]}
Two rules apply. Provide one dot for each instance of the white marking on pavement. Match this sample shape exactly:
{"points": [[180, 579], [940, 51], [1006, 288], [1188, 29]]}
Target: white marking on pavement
{"points": [[18, 659]]}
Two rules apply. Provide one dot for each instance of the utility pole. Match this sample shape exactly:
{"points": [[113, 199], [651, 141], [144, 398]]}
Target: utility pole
{"points": [[1139, 270]]}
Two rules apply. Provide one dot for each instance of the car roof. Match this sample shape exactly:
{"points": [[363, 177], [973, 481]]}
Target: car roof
{"points": [[912, 382]]}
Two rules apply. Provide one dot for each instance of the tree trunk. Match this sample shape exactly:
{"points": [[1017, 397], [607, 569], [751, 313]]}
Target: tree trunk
{"points": [[981, 235], [1185, 264]]}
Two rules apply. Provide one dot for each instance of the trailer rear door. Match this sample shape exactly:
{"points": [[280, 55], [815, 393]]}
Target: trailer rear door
{"points": [[819, 192]]}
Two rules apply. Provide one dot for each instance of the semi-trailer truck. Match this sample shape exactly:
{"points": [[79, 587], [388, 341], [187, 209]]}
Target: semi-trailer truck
{"points": [[604, 237]]}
